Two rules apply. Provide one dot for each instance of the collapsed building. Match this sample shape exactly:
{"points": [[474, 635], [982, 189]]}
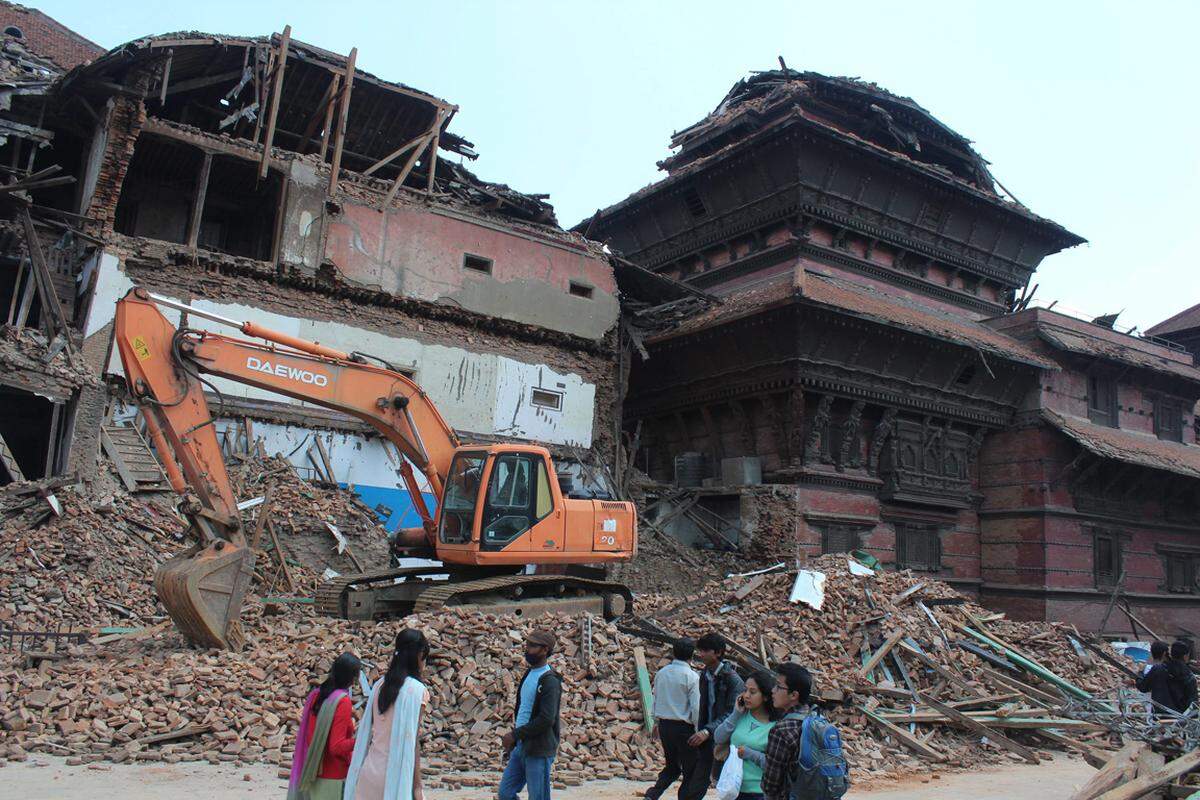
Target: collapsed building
{"points": [[867, 381], [265, 179]]}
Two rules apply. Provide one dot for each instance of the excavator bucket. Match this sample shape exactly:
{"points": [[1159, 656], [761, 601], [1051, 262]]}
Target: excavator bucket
{"points": [[203, 589]]}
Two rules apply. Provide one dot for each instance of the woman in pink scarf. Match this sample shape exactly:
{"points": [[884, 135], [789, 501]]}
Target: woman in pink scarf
{"points": [[325, 740]]}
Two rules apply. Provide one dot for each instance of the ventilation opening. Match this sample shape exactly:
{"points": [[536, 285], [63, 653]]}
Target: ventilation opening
{"points": [[13, 30], [695, 205], [581, 290], [966, 375], [544, 398], [477, 263]]}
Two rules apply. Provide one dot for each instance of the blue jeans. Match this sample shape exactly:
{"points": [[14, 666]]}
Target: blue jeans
{"points": [[522, 771]]}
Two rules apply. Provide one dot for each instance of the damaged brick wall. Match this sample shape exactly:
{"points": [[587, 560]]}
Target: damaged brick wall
{"points": [[125, 120]]}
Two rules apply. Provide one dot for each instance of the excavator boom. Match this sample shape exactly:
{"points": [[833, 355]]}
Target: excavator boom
{"points": [[203, 589]]}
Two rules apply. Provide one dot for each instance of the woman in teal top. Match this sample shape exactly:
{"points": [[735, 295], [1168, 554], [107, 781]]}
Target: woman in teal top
{"points": [[746, 729]]}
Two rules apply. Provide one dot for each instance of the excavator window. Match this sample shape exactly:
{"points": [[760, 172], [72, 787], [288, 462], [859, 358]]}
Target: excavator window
{"points": [[518, 496], [460, 497], [545, 502]]}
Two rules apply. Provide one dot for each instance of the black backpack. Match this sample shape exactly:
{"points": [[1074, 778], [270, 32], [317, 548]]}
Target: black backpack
{"points": [[821, 771]]}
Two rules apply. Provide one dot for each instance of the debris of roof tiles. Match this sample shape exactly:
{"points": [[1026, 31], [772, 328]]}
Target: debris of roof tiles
{"points": [[1131, 448], [1095, 346], [868, 303]]}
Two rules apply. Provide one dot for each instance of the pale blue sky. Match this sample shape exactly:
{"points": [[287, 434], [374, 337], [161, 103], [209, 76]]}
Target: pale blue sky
{"points": [[1089, 112]]}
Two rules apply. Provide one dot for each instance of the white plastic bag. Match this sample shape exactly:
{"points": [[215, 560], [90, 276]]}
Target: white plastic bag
{"points": [[729, 785]]}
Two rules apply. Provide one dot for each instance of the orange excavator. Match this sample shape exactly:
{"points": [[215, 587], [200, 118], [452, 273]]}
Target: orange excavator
{"points": [[499, 506]]}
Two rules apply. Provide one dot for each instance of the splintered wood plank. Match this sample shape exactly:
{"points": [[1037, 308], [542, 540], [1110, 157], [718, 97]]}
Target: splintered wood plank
{"points": [[902, 736], [879, 654], [975, 725], [340, 126], [1119, 769], [276, 91], [1145, 784]]}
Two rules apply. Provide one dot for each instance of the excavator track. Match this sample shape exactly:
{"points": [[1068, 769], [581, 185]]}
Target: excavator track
{"points": [[330, 597], [501, 593], [450, 593]]}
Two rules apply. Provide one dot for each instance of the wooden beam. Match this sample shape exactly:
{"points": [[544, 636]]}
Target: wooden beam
{"points": [[276, 92], [201, 82], [408, 165], [936, 667], [322, 111], [1120, 769], [287, 571], [339, 137], [975, 725], [13, 303], [1090, 754], [181, 733], [51, 308], [392, 156], [261, 522], [198, 197], [1032, 693], [433, 157], [902, 736], [166, 77], [879, 654]]}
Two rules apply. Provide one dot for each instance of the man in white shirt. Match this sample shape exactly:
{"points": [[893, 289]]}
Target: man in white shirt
{"points": [[676, 712]]}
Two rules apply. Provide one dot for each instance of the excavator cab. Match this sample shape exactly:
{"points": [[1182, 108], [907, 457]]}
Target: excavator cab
{"points": [[503, 503]]}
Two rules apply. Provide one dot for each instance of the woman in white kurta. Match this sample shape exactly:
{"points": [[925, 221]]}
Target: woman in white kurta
{"points": [[386, 764]]}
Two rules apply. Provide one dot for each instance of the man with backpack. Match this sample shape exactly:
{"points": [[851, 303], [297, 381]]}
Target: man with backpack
{"points": [[804, 750]]}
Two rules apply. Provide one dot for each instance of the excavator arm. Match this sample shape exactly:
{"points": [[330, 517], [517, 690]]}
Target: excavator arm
{"points": [[166, 367]]}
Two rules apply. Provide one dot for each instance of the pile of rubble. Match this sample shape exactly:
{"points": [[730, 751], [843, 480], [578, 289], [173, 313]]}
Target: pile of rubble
{"points": [[156, 700], [69, 562], [878, 636], [308, 518], [143, 694], [27, 350]]}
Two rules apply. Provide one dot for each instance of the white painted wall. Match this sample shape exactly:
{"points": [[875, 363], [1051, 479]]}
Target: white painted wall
{"points": [[476, 392]]}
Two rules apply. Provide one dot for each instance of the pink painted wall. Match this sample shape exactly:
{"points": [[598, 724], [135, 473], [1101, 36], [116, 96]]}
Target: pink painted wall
{"points": [[417, 252]]}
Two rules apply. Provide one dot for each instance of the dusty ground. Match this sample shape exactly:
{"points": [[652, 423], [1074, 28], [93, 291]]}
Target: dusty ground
{"points": [[50, 778]]}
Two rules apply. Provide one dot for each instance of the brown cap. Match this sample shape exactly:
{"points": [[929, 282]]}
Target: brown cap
{"points": [[543, 637]]}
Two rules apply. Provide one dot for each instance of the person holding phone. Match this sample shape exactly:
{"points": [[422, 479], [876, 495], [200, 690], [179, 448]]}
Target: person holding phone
{"points": [[747, 728]]}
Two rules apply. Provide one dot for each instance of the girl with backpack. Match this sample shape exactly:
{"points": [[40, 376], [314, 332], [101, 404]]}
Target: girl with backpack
{"points": [[746, 730]]}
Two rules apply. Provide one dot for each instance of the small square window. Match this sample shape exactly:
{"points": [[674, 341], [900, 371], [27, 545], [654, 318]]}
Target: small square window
{"points": [[1168, 419], [918, 547], [695, 206], [544, 398], [581, 290], [477, 263], [1181, 569], [840, 538]]}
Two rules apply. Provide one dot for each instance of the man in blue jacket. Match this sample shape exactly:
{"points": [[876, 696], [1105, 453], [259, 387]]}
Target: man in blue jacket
{"points": [[533, 743]]}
